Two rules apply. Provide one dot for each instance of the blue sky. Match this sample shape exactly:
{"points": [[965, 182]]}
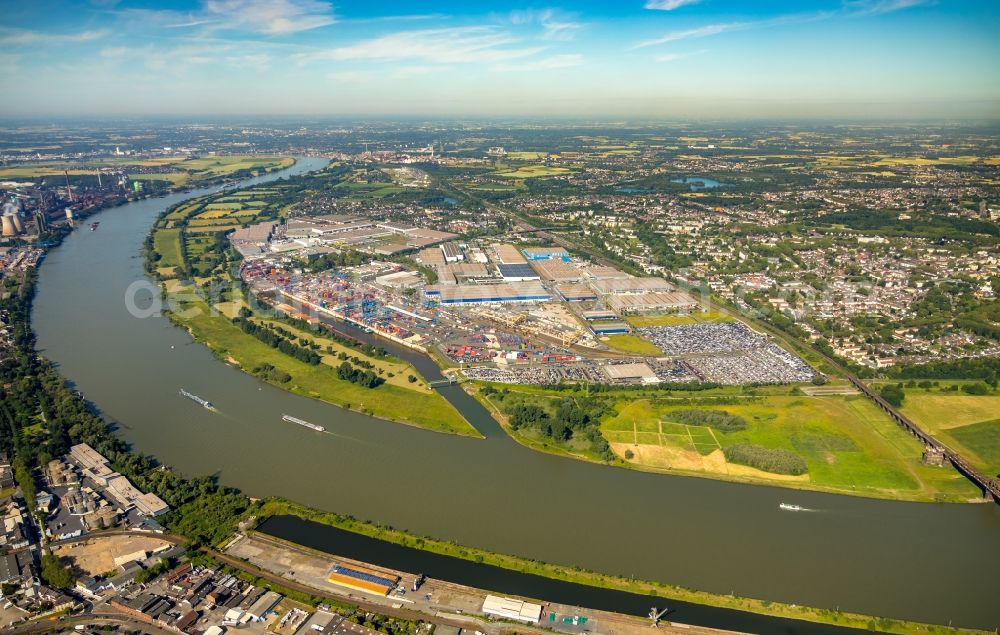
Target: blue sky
{"points": [[657, 59]]}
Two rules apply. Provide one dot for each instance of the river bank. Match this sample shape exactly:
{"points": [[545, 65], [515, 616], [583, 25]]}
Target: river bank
{"points": [[277, 509], [855, 553], [177, 253]]}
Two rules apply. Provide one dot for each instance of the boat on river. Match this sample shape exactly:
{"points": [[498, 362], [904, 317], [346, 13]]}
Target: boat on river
{"points": [[791, 508], [205, 403], [302, 422]]}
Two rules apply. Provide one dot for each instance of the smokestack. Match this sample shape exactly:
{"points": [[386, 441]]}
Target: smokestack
{"points": [[69, 192], [99, 177]]}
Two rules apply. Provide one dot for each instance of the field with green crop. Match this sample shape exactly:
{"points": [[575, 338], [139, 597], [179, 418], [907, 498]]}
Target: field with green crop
{"points": [[633, 344], [969, 424], [847, 443], [533, 172]]}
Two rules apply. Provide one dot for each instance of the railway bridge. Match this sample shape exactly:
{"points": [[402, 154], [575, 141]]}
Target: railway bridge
{"points": [[989, 485]]}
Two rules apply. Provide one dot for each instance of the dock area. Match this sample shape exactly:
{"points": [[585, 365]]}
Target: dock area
{"points": [[437, 599]]}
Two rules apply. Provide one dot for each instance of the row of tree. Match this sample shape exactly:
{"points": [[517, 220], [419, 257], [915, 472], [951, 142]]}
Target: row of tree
{"points": [[271, 337]]}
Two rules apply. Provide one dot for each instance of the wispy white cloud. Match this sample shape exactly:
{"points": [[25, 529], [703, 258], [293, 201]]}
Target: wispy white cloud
{"points": [[725, 27], [22, 37], [556, 25], [274, 17], [701, 31], [544, 64], [668, 5], [875, 7], [673, 57], [441, 46]]}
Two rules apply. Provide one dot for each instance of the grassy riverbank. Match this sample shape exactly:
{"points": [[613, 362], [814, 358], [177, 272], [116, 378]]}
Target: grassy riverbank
{"points": [[272, 507], [848, 445], [189, 254], [415, 406]]}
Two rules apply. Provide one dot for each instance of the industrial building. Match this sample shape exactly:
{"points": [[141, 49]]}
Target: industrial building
{"points": [[488, 293], [557, 270], [517, 272], [452, 253], [631, 372], [610, 328], [645, 302], [363, 579], [512, 609], [609, 286], [576, 292], [546, 253], [508, 254]]}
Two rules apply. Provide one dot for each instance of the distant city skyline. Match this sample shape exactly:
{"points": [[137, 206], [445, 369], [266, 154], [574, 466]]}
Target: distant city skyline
{"points": [[642, 59]]}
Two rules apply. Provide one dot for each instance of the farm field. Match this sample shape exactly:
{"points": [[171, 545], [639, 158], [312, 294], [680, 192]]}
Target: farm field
{"points": [[186, 170], [534, 171], [848, 445], [968, 424]]}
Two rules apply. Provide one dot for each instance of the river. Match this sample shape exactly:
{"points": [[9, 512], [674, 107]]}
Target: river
{"points": [[926, 562]]}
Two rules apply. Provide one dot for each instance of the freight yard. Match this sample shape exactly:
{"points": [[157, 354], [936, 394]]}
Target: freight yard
{"points": [[503, 313]]}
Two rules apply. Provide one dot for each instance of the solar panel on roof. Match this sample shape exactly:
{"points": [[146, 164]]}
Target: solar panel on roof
{"points": [[367, 577]]}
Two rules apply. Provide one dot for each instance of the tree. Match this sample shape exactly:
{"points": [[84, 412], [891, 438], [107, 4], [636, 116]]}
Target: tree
{"points": [[893, 393], [55, 573]]}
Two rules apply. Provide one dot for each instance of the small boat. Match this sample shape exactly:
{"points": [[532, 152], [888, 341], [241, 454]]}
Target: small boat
{"points": [[93, 226], [791, 508]]}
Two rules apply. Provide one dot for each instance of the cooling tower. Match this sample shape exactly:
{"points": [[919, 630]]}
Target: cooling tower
{"points": [[8, 225]]}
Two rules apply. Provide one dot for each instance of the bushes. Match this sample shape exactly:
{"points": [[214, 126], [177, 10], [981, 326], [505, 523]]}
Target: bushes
{"points": [[772, 460], [366, 378], [270, 373], [894, 394], [273, 337], [718, 419]]}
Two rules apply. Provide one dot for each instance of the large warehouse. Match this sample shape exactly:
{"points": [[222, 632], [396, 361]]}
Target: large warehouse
{"points": [[512, 609], [517, 273], [362, 579], [488, 293], [631, 285]]}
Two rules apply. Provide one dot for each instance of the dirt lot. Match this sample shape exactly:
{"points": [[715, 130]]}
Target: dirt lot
{"points": [[97, 556]]}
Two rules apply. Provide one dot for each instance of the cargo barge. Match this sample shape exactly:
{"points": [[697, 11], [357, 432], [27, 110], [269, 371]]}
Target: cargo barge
{"points": [[312, 426]]}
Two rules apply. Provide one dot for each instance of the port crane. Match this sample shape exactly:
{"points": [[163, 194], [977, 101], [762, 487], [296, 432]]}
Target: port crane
{"points": [[655, 614]]}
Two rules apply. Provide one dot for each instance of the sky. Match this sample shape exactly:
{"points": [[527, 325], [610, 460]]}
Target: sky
{"points": [[618, 59]]}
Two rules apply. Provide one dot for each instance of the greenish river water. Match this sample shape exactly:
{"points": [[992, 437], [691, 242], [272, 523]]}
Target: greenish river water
{"points": [[926, 562]]}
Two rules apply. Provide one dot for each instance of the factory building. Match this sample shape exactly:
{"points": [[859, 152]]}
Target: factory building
{"points": [[614, 286], [557, 270], [631, 372], [362, 579], [647, 302], [576, 292], [512, 609], [452, 253], [488, 293], [517, 272], [546, 253], [508, 255], [610, 328]]}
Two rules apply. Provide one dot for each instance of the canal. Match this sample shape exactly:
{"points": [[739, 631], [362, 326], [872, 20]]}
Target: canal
{"points": [[346, 544], [926, 562]]}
